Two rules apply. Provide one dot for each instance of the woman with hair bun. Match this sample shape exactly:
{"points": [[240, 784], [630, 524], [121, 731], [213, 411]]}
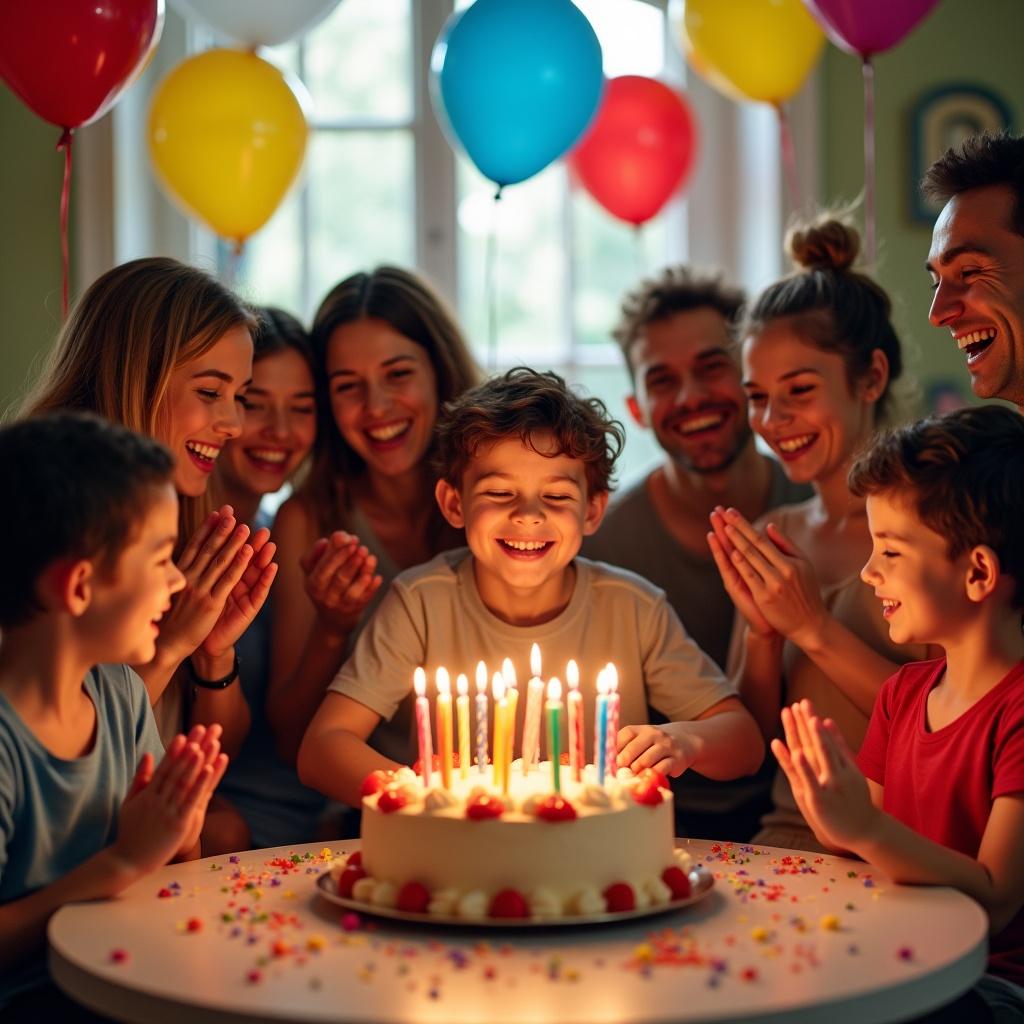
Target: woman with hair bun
{"points": [[819, 357]]}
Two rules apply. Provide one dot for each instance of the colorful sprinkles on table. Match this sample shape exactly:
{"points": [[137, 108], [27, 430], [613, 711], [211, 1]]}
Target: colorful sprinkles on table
{"points": [[777, 928]]}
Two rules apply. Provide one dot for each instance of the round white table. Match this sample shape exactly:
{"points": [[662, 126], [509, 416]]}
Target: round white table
{"points": [[782, 936]]}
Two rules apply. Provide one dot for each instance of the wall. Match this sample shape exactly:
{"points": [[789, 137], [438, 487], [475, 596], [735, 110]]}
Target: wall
{"points": [[31, 172], [979, 43]]}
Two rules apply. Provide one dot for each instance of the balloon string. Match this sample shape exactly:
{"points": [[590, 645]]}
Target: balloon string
{"points": [[788, 157], [491, 285], [639, 255], [234, 259], [65, 201], [869, 163]]}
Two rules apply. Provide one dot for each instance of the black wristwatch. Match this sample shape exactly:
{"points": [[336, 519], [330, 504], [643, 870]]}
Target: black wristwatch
{"points": [[213, 684]]}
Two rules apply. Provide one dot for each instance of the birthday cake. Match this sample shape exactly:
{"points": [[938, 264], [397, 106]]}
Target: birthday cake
{"points": [[476, 851]]}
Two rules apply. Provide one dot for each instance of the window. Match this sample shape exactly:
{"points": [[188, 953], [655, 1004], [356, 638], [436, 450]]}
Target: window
{"points": [[382, 184]]}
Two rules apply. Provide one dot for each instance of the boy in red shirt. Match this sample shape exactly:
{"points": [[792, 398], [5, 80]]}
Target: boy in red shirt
{"points": [[943, 798]]}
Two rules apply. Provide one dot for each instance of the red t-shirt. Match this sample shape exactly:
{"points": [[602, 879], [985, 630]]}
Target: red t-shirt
{"points": [[942, 784]]}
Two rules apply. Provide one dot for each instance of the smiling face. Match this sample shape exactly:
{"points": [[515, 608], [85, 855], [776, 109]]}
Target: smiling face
{"points": [[383, 393], [800, 402], [923, 591], [279, 425], [976, 264], [688, 389], [525, 514], [130, 598], [203, 408]]}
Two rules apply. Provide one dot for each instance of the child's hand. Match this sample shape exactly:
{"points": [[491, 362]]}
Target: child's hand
{"points": [[722, 552], [246, 597], [157, 813], [213, 563], [341, 580], [208, 739], [828, 786], [779, 577], [647, 746]]}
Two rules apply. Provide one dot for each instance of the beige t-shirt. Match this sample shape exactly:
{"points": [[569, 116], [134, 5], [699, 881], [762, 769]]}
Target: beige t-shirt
{"points": [[432, 615]]}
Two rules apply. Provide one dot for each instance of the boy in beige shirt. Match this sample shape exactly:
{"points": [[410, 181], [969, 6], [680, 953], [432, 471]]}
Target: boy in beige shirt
{"points": [[525, 469]]}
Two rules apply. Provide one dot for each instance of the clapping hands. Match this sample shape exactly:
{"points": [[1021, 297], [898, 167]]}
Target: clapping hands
{"points": [[226, 583], [770, 580], [830, 790], [163, 812], [341, 580]]}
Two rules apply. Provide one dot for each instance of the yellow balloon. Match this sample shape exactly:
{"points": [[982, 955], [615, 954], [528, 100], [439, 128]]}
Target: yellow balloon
{"points": [[227, 134], [752, 49]]}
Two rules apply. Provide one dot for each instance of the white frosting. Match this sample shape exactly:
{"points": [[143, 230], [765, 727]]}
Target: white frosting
{"points": [[443, 902], [594, 795], [658, 893], [587, 901], [385, 894], [560, 867], [473, 905], [364, 889], [544, 903], [437, 799]]}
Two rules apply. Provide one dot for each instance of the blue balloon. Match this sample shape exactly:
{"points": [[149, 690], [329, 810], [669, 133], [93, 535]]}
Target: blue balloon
{"points": [[516, 82]]}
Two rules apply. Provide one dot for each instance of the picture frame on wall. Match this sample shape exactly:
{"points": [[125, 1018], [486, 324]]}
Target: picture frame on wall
{"points": [[942, 118]]}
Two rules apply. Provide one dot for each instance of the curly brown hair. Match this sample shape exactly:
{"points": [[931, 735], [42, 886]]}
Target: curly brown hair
{"points": [[520, 404], [677, 289], [964, 473]]}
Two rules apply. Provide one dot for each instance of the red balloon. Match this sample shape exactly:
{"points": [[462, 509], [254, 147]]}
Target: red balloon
{"points": [[69, 60], [640, 149]]}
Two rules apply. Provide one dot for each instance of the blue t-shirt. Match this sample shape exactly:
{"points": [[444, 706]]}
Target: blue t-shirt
{"points": [[265, 790], [55, 813]]}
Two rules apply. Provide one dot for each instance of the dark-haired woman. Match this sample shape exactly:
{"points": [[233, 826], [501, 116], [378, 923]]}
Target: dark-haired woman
{"points": [[389, 354]]}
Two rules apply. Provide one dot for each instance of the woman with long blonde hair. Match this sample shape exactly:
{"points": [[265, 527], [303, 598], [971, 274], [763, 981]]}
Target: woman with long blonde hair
{"points": [[165, 349]]}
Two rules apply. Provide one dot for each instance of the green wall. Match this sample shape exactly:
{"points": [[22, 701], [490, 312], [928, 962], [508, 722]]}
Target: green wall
{"points": [[31, 172], [971, 42]]}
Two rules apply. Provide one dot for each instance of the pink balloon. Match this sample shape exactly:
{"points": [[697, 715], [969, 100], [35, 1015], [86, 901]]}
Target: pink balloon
{"points": [[867, 27]]}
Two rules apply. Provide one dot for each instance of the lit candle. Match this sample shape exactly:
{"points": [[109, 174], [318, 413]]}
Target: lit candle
{"points": [[419, 682], [444, 725], [534, 708], [508, 673], [601, 727], [612, 675], [500, 727], [462, 707], [554, 709], [481, 717], [574, 708]]}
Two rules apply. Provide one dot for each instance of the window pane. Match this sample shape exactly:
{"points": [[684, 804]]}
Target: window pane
{"points": [[611, 384], [359, 62], [632, 35], [530, 271], [269, 272], [611, 258], [361, 205]]}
